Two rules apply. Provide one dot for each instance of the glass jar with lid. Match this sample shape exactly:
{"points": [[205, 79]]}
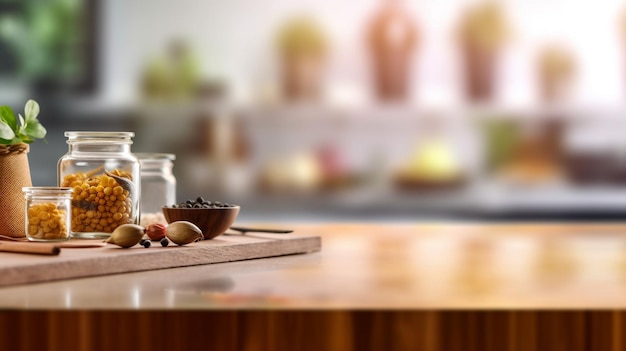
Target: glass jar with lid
{"points": [[106, 182], [158, 186], [47, 213]]}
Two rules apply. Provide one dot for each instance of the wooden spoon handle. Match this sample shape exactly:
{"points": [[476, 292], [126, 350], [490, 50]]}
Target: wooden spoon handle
{"points": [[261, 230], [30, 248]]}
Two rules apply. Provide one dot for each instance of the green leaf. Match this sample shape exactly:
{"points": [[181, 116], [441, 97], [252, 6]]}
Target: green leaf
{"points": [[35, 130], [5, 131], [31, 110], [23, 130], [7, 115], [22, 123], [13, 141]]}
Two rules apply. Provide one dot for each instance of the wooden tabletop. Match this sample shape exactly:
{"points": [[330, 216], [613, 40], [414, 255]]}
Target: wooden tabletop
{"points": [[379, 265]]}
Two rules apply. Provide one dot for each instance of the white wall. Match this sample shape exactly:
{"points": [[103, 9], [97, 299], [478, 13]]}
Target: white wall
{"points": [[233, 39]]}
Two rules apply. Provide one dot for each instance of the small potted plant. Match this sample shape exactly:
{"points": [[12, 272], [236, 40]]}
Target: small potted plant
{"points": [[393, 38], [555, 69], [482, 33], [302, 46], [16, 133]]}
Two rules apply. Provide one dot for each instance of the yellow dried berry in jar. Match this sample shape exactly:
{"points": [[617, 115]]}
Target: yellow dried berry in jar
{"points": [[101, 201], [106, 180], [47, 213], [46, 221]]}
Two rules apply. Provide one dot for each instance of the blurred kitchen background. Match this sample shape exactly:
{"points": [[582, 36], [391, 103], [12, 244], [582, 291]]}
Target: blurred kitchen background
{"points": [[341, 109]]}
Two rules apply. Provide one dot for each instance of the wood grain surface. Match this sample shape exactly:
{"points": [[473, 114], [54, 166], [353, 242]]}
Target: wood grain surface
{"points": [[110, 259], [314, 330], [467, 286]]}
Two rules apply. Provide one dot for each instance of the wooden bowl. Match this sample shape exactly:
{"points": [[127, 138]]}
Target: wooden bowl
{"points": [[212, 221]]}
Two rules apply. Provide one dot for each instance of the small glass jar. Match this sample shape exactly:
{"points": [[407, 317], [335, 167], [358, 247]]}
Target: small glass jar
{"points": [[47, 213], [158, 186], [105, 177]]}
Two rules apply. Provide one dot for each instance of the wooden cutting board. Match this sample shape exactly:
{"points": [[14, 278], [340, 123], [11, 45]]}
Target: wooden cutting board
{"points": [[86, 262]]}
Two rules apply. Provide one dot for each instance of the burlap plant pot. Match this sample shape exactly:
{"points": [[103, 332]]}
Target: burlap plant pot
{"points": [[14, 174]]}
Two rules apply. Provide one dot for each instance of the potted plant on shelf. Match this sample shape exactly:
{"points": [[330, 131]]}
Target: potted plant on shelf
{"points": [[302, 46], [16, 133], [392, 38], [555, 69], [482, 33]]}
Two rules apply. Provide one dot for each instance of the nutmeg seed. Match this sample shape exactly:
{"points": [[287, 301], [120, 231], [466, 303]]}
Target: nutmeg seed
{"points": [[183, 232], [126, 235], [156, 231]]}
